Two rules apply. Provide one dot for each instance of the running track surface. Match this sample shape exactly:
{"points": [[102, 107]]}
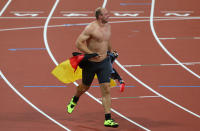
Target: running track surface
{"points": [[139, 29]]}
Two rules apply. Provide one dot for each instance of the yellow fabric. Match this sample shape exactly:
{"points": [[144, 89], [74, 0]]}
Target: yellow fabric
{"points": [[64, 72], [112, 83]]}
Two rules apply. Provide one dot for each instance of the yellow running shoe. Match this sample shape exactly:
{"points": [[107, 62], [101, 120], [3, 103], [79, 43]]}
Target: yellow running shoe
{"points": [[71, 106], [110, 123]]}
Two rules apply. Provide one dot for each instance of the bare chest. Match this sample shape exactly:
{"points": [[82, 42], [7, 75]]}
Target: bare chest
{"points": [[101, 34]]}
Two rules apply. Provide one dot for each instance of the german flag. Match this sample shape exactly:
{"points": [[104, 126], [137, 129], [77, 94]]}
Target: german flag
{"points": [[68, 71]]}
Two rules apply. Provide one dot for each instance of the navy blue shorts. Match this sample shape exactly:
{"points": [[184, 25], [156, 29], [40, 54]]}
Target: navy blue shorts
{"points": [[103, 70]]}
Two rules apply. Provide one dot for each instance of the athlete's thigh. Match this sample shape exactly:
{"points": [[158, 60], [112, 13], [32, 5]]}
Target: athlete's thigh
{"points": [[87, 77], [104, 74]]}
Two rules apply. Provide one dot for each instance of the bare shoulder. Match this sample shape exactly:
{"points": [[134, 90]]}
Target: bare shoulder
{"points": [[90, 28], [86, 33]]}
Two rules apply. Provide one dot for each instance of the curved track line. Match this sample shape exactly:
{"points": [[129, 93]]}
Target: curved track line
{"points": [[45, 33], [4, 8], [162, 46], [56, 63], [104, 3], [32, 105], [149, 88]]}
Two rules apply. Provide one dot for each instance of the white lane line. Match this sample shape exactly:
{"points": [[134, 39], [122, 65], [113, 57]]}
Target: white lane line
{"points": [[158, 94], [179, 38], [148, 96], [39, 12], [28, 102], [104, 4], [185, 63], [32, 105], [196, 37], [56, 63], [34, 27], [167, 38], [112, 17], [113, 110], [112, 22], [45, 33], [145, 85], [148, 87], [175, 11], [162, 46], [4, 8], [134, 97]]}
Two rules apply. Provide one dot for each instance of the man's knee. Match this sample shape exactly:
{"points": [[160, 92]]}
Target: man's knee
{"points": [[105, 88], [83, 87]]}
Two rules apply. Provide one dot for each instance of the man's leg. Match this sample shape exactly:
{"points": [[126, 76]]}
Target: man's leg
{"points": [[81, 89], [87, 79], [106, 101]]}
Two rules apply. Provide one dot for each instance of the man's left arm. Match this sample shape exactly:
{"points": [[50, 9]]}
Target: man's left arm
{"points": [[109, 47], [109, 44]]}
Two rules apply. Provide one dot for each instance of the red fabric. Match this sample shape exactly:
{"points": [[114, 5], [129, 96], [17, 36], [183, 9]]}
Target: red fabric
{"points": [[122, 86], [75, 60]]}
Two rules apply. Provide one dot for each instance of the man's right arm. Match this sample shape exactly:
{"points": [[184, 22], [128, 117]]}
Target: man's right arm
{"points": [[81, 43]]}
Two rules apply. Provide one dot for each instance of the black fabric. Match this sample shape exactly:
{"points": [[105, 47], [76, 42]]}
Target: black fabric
{"points": [[108, 116], [86, 56], [103, 70], [115, 75], [75, 100], [76, 53]]}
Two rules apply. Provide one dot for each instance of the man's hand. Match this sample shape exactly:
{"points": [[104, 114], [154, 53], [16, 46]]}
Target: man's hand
{"points": [[115, 53]]}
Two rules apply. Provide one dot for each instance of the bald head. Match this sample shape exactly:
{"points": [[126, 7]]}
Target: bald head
{"points": [[99, 11]]}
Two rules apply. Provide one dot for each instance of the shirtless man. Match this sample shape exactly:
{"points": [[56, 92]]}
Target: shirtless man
{"points": [[95, 39]]}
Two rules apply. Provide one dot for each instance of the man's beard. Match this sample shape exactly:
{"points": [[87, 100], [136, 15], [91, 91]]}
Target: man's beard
{"points": [[104, 21]]}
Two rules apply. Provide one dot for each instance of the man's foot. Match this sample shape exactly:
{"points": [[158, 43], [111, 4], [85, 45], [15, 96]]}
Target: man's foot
{"points": [[110, 123], [71, 106]]}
